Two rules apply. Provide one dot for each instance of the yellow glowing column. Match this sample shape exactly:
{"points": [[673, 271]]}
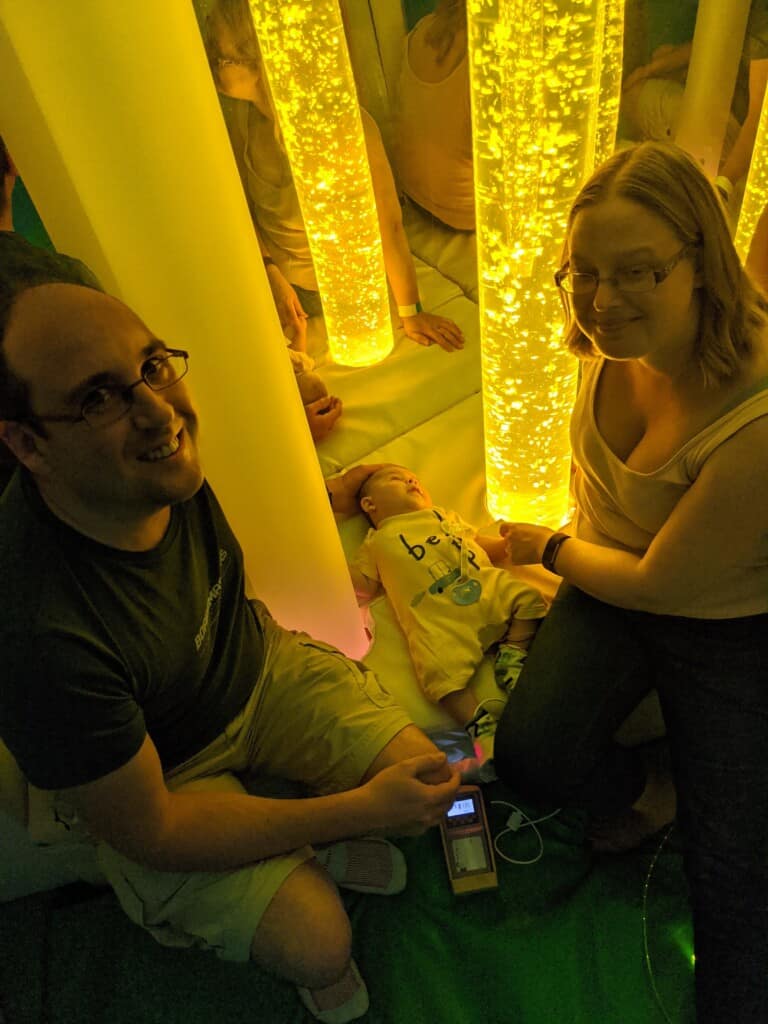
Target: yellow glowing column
{"points": [[756, 189], [546, 77], [132, 172], [307, 64]]}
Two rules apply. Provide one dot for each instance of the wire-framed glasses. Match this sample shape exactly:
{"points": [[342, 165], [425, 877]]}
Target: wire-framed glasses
{"points": [[106, 403], [642, 278]]}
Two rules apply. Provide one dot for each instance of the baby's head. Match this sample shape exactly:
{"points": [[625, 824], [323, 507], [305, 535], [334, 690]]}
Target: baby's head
{"points": [[391, 491]]}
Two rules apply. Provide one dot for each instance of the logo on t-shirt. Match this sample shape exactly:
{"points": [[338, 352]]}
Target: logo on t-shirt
{"points": [[211, 613]]}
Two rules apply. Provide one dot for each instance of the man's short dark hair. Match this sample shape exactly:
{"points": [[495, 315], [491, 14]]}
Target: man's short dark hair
{"points": [[5, 168], [14, 392]]}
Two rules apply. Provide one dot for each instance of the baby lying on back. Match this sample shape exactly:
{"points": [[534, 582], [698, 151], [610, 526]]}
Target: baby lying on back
{"points": [[451, 601]]}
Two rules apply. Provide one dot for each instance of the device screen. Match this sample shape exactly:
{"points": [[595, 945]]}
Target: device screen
{"points": [[469, 854], [461, 807]]}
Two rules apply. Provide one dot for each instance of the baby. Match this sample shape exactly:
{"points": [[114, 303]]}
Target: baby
{"points": [[453, 604]]}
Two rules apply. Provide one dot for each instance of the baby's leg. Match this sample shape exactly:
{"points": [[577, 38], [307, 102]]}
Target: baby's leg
{"points": [[512, 651], [480, 725], [461, 705]]}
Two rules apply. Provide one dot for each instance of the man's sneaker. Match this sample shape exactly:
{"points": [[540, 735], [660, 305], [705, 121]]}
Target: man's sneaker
{"points": [[340, 1003], [369, 865]]}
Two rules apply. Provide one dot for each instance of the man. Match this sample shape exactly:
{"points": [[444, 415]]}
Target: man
{"points": [[138, 681]]}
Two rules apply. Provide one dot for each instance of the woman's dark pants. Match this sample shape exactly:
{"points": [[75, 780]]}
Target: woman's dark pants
{"points": [[588, 668]]}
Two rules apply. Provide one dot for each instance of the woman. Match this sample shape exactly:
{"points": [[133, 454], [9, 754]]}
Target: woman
{"points": [[665, 568], [434, 125], [265, 172]]}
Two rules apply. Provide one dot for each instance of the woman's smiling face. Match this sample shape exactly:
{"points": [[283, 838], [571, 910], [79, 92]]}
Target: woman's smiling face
{"points": [[659, 325]]}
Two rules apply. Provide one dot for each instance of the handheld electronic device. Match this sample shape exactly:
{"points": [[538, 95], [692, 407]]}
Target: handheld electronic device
{"points": [[467, 843]]}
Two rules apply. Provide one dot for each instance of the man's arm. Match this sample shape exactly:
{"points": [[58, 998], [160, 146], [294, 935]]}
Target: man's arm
{"points": [[133, 810]]}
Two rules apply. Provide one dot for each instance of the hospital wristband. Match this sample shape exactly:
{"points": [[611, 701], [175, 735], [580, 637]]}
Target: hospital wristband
{"points": [[551, 549], [411, 310]]}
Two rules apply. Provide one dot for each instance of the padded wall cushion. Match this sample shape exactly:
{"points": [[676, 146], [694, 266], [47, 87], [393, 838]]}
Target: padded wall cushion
{"points": [[413, 385]]}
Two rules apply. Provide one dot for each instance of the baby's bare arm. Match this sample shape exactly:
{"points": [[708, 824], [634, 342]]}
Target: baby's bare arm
{"points": [[365, 587], [521, 632]]}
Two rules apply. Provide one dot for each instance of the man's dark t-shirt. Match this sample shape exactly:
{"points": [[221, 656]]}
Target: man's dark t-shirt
{"points": [[101, 646]]}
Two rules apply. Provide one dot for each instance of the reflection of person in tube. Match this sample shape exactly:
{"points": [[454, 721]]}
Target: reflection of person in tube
{"points": [[234, 54]]}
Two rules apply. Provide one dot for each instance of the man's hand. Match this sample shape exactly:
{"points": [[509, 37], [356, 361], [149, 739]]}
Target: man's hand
{"points": [[404, 803], [343, 489], [322, 416], [290, 312], [429, 329]]}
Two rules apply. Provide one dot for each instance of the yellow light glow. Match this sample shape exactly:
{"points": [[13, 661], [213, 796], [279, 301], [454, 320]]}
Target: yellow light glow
{"points": [[756, 189], [307, 64], [546, 78]]}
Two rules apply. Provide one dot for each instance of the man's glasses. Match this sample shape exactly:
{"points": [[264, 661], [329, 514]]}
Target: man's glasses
{"points": [[631, 279], [107, 403]]}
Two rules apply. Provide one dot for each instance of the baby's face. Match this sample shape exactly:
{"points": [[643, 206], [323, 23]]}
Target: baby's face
{"points": [[393, 490]]}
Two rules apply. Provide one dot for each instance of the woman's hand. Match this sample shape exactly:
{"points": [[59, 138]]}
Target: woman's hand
{"points": [[525, 542], [429, 329]]}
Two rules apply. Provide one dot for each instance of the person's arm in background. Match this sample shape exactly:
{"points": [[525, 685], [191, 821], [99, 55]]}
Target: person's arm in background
{"points": [[290, 312], [666, 61], [736, 164], [423, 328]]}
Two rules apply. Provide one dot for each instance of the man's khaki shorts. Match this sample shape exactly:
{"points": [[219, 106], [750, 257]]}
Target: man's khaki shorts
{"points": [[314, 717]]}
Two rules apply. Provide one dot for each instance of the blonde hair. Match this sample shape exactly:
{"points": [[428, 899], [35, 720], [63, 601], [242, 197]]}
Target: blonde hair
{"points": [[666, 181]]}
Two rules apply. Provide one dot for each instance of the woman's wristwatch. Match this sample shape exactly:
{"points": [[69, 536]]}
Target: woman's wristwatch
{"points": [[551, 549]]}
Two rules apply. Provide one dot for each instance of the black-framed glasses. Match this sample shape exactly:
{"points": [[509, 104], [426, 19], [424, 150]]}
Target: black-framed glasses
{"points": [[107, 403], [217, 63], [642, 278]]}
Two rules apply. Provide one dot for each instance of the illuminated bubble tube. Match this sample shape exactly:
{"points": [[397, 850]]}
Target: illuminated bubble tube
{"points": [[310, 76], [117, 165], [546, 78], [756, 189]]}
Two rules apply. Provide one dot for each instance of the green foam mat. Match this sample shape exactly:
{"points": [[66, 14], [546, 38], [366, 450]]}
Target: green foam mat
{"points": [[560, 942]]}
